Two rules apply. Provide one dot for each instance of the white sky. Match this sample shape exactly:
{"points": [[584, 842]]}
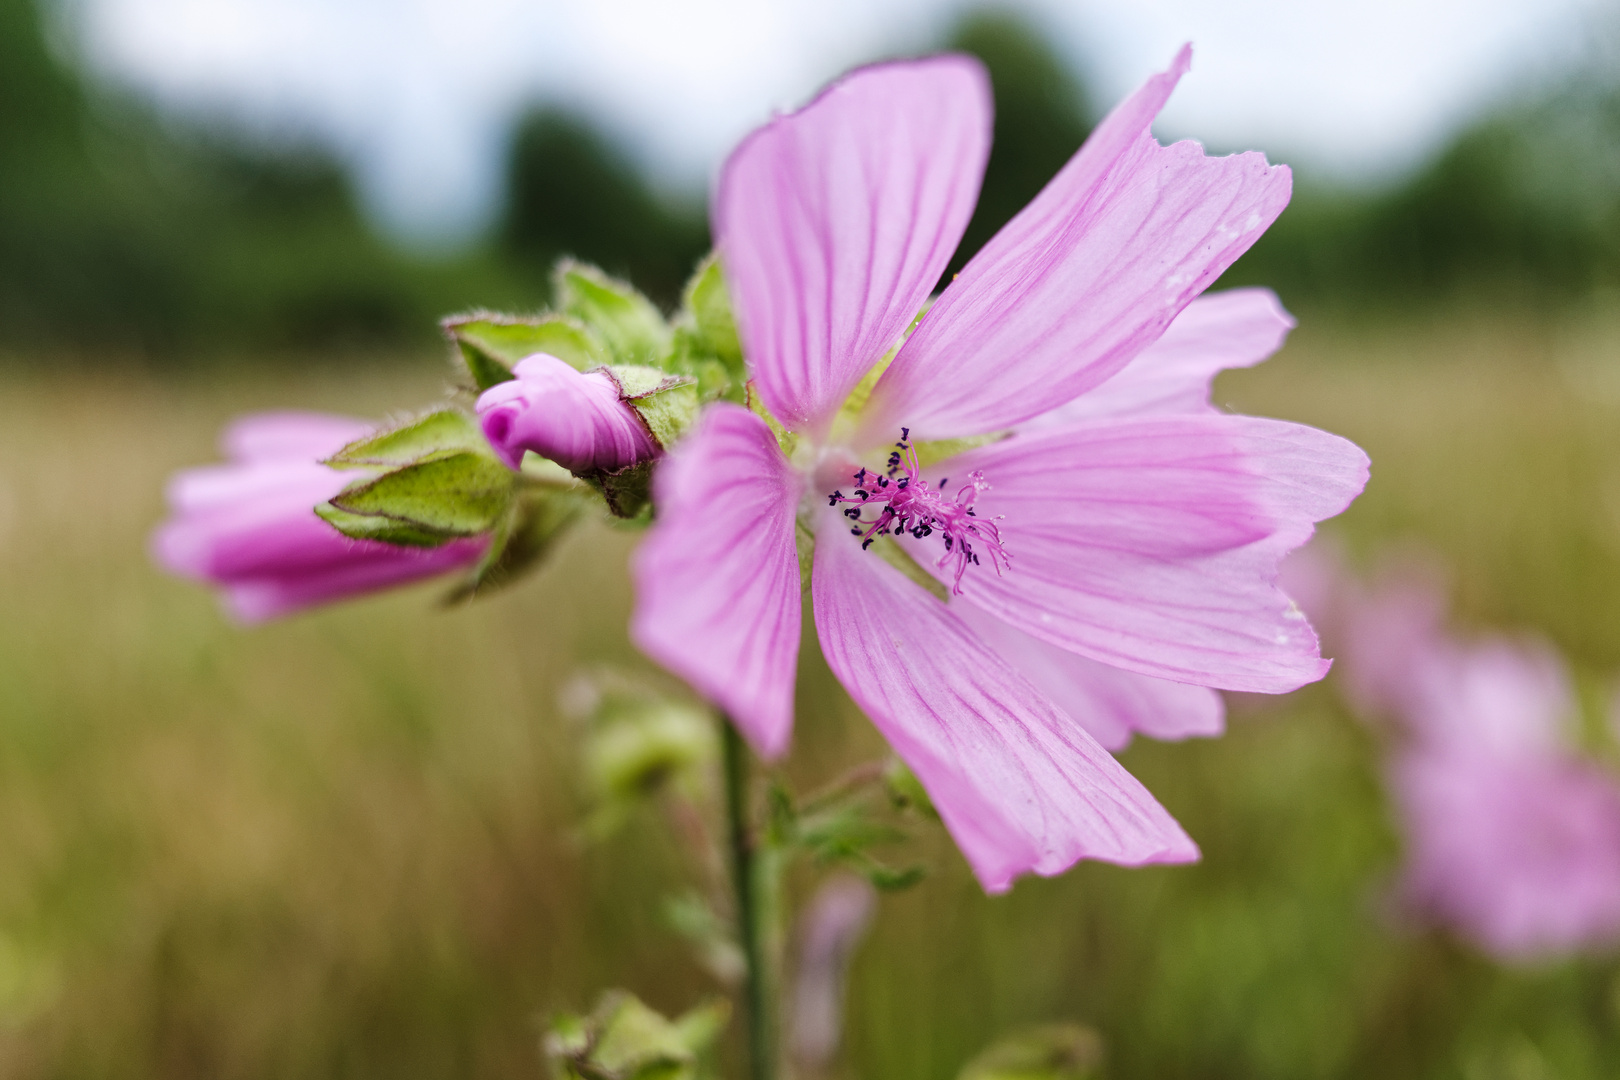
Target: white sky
{"points": [[417, 95]]}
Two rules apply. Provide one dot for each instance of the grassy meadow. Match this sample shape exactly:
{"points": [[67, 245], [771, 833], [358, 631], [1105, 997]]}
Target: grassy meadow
{"points": [[345, 846]]}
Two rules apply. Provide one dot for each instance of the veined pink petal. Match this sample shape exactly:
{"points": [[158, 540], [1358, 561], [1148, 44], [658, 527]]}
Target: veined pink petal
{"points": [[1107, 701], [370, 567], [1231, 329], [1082, 280], [1153, 544], [1021, 786], [836, 221], [571, 417], [717, 577], [290, 435]]}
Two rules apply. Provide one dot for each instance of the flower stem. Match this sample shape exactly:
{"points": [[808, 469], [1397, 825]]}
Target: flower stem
{"points": [[748, 880]]}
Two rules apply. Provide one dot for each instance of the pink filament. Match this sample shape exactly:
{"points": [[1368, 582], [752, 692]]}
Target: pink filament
{"points": [[910, 505]]}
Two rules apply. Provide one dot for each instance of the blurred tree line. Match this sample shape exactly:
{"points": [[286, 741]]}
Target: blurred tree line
{"points": [[122, 232]]}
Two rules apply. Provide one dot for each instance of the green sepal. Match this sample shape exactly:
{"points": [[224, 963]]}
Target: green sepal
{"points": [[536, 517], [628, 492], [1046, 1052], [708, 302], [623, 1039], [667, 404], [785, 439], [933, 451], [491, 344], [625, 321], [439, 434], [382, 529], [463, 494], [706, 345]]}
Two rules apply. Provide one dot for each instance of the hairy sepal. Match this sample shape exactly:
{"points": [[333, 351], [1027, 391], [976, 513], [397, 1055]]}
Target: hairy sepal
{"points": [[461, 494], [706, 345], [625, 321], [438, 434], [491, 344], [536, 517]]}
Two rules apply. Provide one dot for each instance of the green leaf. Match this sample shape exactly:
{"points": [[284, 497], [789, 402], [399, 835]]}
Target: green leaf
{"points": [[623, 319], [492, 343], [536, 518], [438, 434], [462, 495], [1048, 1052], [383, 529]]}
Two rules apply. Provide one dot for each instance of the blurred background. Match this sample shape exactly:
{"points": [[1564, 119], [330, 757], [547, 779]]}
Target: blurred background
{"points": [[345, 845]]}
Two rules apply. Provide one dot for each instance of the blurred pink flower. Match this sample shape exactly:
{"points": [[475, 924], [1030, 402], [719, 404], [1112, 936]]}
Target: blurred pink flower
{"points": [[1512, 837], [249, 526], [1140, 532], [833, 923], [574, 418]]}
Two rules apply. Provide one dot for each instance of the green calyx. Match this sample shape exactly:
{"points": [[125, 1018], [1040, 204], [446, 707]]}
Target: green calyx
{"points": [[433, 479]]}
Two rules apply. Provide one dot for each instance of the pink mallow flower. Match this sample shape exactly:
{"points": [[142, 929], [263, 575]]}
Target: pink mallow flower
{"points": [[249, 526], [1513, 837], [574, 418], [1096, 561]]}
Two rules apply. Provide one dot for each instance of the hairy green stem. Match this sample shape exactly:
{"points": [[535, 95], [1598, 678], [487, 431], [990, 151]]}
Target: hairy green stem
{"points": [[748, 875]]}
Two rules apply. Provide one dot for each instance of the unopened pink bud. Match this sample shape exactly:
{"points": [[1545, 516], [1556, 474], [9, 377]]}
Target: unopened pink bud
{"points": [[574, 418]]}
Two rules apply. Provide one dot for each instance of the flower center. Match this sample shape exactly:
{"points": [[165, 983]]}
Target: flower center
{"points": [[905, 503]]}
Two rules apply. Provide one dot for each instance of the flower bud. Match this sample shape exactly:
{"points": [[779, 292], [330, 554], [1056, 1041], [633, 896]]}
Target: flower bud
{"points": [[576, 419], [250, 527]]}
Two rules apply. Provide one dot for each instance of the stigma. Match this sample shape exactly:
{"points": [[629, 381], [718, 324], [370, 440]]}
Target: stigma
{"points": [[898, 500]]}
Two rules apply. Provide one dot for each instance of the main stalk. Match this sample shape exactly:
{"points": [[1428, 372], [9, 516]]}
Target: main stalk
{"points": [[748, 881]]}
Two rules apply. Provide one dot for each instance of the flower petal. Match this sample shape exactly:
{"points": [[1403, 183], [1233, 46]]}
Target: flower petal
{"points": [[1082, 280], [1021, 786], [290, 435], [836, 221], [370, 568], [1153, 544], [717, 578], [1231, 329], [1110, 703]]}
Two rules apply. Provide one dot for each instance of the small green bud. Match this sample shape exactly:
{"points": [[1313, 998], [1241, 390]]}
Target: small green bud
{"points": [[623, 1039]]}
